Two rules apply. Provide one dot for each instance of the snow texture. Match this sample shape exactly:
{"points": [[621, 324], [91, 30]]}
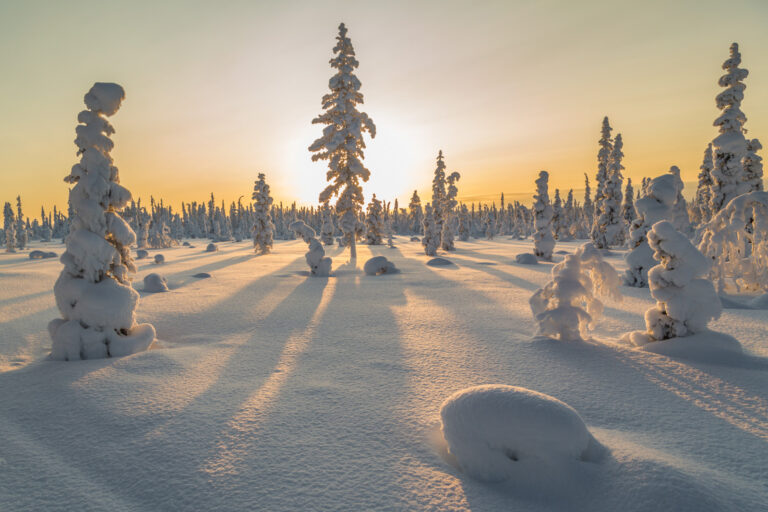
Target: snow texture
{"points": [[499, 432], [567, 306], [154, 283]]}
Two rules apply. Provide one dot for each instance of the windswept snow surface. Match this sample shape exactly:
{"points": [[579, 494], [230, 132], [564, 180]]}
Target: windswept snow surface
{"points": [[271, 390]]}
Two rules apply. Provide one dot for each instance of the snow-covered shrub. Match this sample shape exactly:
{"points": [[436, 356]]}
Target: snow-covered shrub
{"points": [[543, 241], [657, 204], [342, 142], [499, 432], [159, 259], [93, 292], [685, 302], [379, 265], [263, 229], [431, 238], [211, 247], [567, 306], [735, 240], [141, 254], [319, 264], [155, 283]]}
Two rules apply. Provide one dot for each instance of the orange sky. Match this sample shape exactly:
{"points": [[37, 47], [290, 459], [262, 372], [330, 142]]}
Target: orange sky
{"points": [[219, 91]]}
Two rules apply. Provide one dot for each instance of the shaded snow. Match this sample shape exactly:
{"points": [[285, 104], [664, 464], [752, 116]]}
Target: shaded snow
{"points": [[275, 391]]}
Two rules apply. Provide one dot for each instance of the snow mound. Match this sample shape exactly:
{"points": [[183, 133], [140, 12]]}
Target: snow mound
{"points": [[706, 347], [202, 275], [499, 432], [39, 255], [379, 265], [759, 302], [154, 283], [186, 244], [159, 258], [211, 248], [440, 262], [415, 239], [527, 258], [141, 254]]}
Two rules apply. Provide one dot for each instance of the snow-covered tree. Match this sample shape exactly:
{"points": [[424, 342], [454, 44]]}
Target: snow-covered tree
{"points": [[319, 263], [9, 228], [628, 208], [589, 207], [415, 214], [567, 306], [736, 243], [753, 166], [374, 222], [603, 173], [342, 141], [558, 220], [543, 241], [657, 204], [730, 146], [685, 302], [438, 195], [703, 200], [449, 206], [263, 229], [328, 229], [431, 238], [608, 227], [464, 223], [21, 228], [93, 292]]}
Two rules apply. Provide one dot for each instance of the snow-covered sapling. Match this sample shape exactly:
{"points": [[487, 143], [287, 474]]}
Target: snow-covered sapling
{"points": [[93, 292], [567, 306], [431, 237], [685, 302], [319, 263]]}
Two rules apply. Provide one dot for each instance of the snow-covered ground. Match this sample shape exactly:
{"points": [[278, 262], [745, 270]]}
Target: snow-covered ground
{"points": [[272, 390]]}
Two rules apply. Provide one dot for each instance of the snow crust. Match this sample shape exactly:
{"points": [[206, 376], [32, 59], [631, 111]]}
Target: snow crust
{"points": [[499, 432]]}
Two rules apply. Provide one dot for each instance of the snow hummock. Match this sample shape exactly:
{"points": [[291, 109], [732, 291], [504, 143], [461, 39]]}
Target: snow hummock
{"points": [[154, 283], [159, 259], [39, 255], [440, 262], [526, 258], [379, 265], [500, 432], [201, 275], [211, 248], [141, 254]]}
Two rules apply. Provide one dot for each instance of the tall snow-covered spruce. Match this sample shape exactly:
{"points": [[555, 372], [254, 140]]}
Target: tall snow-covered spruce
{"points": [[263, 229], [730, 146], [93, 292], [342, 141]]}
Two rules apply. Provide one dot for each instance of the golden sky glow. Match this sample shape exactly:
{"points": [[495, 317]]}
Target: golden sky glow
{"points": [[219, 91]]}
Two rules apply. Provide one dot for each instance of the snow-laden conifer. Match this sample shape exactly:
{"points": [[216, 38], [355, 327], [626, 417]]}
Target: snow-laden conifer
{"points": [[753, 166], [703, 200], [628, 208], [608, 227], [9, 228], [342, 141], [657, 204], [567, 306], [464, 228], [374, 222], [319, 263], [431, 238], [21, 228], [730, 146], [263, 229], [449, 207], [328, 228], [685, 301], [415, 214], [93, 292], [438, 194], [543, 241], [603, 163]]}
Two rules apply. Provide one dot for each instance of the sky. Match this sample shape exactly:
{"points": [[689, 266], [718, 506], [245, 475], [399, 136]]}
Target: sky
{"points": [[217, 92]]}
